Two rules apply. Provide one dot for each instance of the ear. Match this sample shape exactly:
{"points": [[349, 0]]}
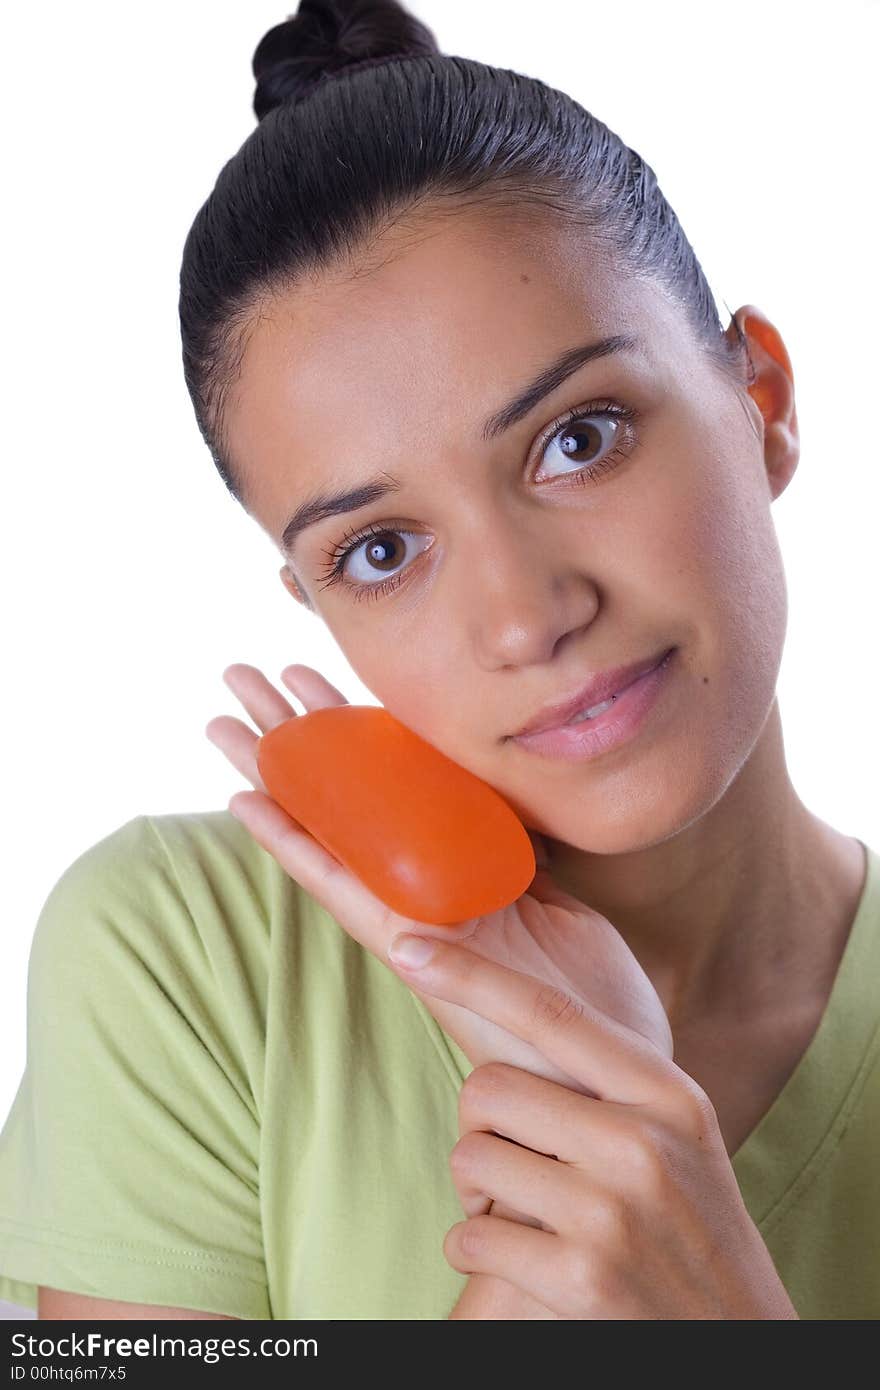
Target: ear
{"points": [[772, 390], [293, 588]]}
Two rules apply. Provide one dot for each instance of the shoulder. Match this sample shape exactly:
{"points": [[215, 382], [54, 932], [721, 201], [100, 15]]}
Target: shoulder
{"points": [[184, 916], [178, 906], [183, 848], [184, 896], [196, 871]]}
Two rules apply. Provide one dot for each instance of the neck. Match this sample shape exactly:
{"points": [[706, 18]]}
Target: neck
{"points": [[747, 907]]}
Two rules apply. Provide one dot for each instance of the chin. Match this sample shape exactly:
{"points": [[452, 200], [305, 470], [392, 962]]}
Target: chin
{"points": [[626, 814]]}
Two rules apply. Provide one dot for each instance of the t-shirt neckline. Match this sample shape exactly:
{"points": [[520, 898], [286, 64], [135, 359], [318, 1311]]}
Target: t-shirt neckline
{"points": [[801, 1128]]}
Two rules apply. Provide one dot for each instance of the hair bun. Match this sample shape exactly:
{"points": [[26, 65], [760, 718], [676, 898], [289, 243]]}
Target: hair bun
{"points": [[325, 36]]}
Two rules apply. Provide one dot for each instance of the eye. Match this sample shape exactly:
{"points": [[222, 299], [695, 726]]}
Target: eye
{"points": [[593, 447], [377, 569], [381, 565]]}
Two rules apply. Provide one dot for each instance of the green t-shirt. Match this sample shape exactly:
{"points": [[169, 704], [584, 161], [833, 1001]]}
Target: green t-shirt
{"points": [[230, 1105]]}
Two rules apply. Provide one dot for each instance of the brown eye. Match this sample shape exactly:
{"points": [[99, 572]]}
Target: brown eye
{"points": [[380, 553], [383, 551], [584, 439], [372, 558]]}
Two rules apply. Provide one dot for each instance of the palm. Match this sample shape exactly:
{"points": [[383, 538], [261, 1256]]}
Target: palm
{"points": [[546, 934]]}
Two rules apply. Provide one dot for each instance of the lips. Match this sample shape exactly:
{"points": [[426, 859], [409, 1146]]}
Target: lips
{"points": [[602, 687]]}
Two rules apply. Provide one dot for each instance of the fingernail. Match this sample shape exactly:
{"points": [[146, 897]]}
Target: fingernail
{"points": [[411, 952]]}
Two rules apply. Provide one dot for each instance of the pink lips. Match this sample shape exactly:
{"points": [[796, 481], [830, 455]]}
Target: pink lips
{"points": [[602, 687], [625, 716]]}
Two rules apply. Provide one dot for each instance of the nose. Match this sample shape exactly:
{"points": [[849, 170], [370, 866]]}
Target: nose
{"points": [[523, 593]]}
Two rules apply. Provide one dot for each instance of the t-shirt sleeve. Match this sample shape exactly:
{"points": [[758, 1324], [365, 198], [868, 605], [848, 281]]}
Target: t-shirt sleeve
{"points": [[129, 1161]]}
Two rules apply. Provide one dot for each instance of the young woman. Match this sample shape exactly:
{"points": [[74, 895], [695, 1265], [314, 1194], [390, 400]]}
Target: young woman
{"points": [[450, 347]]}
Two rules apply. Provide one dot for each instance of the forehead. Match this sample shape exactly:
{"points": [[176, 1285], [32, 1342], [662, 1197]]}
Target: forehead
{"points": [[417, 340]]}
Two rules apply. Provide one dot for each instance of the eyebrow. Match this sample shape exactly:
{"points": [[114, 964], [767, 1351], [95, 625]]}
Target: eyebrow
{"points": [[325, 505]]}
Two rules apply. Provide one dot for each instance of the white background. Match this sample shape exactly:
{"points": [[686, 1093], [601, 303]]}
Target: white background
{"points": [[131, 579]]}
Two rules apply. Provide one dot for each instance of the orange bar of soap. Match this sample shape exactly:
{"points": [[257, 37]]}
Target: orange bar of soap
{"points": [[429, 838]]}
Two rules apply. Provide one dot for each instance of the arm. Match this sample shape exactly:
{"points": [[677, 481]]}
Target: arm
{"points": [[55, 1304]]}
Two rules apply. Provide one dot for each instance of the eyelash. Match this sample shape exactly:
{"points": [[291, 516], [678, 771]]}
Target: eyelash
{"points": [[338, 554]]}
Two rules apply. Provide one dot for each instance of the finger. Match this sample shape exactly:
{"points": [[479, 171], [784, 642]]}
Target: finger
{"points": [[341, 893], [487, 1299], [266, 706], [239, 743], [604, 1056], [508, 1212], [529, 1259], [531, 1110], [311, 688], [310, 864], [596, 1136], [476, 1203], [485, 1165]]}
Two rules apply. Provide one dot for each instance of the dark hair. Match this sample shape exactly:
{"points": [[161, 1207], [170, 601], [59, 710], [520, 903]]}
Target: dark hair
{"points": [[361, 121]]}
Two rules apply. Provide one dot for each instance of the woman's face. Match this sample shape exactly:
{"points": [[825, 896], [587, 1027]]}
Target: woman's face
{"points": [[520, 565]]}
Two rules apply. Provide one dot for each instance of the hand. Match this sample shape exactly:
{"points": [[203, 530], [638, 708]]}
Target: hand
{"points": [[546, 933], [640, 1215]]}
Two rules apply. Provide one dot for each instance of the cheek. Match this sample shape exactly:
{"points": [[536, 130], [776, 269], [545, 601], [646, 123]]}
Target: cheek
{"points": [[428, 697], [418, 682], [745, 575], [715, 566], [421, 684]]}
